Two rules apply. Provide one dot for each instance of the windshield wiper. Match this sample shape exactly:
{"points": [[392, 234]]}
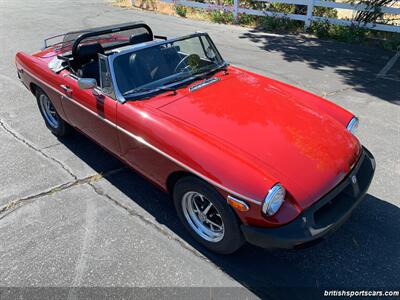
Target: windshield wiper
{"points": [[149, 90], [178, 79], [207, 73], [141, 91], [199, 75]]}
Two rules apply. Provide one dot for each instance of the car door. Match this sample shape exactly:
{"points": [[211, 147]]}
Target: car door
{"points": [[93, 111]]}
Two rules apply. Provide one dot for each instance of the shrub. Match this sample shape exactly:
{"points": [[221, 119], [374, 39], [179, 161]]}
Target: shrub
{"points": [[352, 34], [221, 16], [326, 12], [280, 25], [320, 29], [181, 10], [373, 15], [244, 19], [282, 7], [391, 41]]}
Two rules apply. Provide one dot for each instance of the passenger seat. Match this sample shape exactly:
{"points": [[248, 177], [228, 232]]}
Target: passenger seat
{"points": [[88, 62]]}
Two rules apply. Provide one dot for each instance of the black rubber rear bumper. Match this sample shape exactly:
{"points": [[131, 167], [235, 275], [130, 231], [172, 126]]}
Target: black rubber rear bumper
{"points": [[323, 217]]}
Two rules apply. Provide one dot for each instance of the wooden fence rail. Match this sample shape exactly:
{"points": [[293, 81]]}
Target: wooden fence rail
{"points": [[308, 18]]}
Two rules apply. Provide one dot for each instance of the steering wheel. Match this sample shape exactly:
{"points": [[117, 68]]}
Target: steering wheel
{"points": [[193, 60]]}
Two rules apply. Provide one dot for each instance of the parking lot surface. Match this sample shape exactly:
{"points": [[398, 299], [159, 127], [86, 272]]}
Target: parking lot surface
{"points": [[72, 215]]}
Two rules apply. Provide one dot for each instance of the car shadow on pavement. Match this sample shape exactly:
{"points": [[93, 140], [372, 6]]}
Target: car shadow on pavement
{"points": [[358, 65], [362, 254]]}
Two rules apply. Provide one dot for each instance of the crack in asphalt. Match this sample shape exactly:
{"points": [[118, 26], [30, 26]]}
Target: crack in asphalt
{"points": [[29, 145], [15, 204], [145, 220], [50, 146], [11, 206], [345, 89], [332, 93]]}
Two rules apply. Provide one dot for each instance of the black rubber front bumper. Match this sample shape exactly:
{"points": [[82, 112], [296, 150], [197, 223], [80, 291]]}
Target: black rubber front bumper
{"points": [[324, 216]]}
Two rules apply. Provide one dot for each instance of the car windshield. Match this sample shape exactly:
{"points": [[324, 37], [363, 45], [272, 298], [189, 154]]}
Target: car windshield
{"points": [[153, 68]]}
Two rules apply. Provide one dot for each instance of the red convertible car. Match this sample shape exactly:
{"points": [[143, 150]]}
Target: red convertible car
{"points": [[245, 157]]}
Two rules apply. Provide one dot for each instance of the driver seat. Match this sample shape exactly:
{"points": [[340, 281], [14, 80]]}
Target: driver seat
{"points": [[88, 62], [140, 38]]}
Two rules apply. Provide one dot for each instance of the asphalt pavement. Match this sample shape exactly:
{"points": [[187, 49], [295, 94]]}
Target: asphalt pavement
{"points": [[72, 215]]}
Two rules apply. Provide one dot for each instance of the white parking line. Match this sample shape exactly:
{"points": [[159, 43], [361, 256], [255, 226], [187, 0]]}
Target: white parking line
{"points": [[389, 65], [390, 78]]}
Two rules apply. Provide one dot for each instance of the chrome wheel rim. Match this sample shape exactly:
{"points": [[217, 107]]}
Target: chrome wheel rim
{"points": [[203, 217], [49, 111]]}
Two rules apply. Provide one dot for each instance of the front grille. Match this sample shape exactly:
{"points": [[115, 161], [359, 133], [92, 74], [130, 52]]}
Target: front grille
{"points": [[340, 200], [363, 175], [328, 214]]}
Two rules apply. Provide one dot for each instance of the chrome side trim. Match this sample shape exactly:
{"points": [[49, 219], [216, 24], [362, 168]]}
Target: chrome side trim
{"points": [[144, 142], [71, 99]]}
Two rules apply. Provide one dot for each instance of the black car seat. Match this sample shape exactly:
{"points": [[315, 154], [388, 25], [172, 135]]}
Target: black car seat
{"points": [[128, 72], [140, 38], [172, 56], [128, 69], [154, 65], [138, 69], [87, 60]]}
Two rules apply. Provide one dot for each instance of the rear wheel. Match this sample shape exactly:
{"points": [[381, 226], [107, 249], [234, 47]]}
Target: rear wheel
{"points": [[52, 119], [207, 216]]}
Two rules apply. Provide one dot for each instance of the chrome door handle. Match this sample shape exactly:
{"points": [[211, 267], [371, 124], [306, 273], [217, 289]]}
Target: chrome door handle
{"points": [[66, 89]]}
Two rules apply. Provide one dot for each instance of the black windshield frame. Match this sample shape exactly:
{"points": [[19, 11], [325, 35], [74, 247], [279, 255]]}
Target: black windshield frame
{"points": [[186, 80]]}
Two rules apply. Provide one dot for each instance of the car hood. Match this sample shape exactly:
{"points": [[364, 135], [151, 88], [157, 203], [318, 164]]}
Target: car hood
{"points": [[307, 149]]}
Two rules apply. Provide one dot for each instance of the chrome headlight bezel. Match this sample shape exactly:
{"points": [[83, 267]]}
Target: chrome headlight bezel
{"points": [[353, 125], [274, 200]]}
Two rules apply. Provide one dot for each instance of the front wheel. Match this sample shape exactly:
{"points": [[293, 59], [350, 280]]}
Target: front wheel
{"points": [[52, 119], [207, 216]]}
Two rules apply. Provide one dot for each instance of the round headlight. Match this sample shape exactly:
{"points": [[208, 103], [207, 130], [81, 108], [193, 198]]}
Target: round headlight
{"points": [[274, 200], [353, 125]]}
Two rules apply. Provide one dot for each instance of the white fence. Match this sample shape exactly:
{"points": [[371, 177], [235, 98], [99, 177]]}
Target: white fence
{"points": [[308, 18]]}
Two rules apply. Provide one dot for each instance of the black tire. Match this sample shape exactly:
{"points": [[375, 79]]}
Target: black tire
{"points": [[232, 238], [62, 128]]}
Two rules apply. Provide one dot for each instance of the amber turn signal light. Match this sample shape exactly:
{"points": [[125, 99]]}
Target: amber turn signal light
{"points": [[237, 204]]}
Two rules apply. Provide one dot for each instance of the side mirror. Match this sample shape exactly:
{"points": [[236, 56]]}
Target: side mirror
{"points": [[87, 83]]}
